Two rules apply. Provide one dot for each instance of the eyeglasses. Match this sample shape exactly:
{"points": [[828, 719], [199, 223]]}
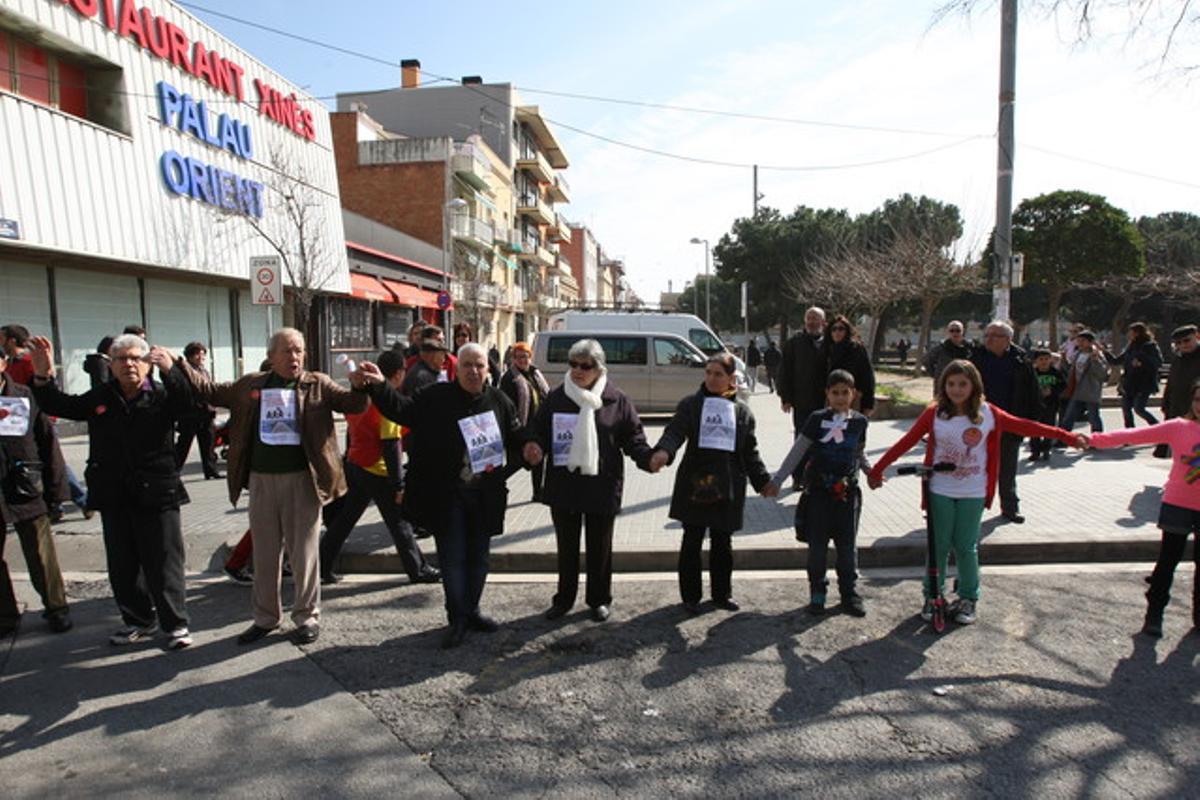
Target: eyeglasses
{"points": [[128, 359], [581, 365]]}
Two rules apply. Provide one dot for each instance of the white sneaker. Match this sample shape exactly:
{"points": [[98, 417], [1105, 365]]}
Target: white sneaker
{"points": [[966, 612], [132, 634], [180, 638], [927, 610]]}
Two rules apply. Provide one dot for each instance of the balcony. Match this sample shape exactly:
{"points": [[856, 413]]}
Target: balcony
{"points": [[559, 190], [536, 209], [564, 266], [472, 231], [538, 166], [561, 230], [545, 256], [470, 164], [517, 295], [484, 294]]}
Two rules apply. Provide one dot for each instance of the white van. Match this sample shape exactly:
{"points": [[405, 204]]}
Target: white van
{"points": [[687, 326], [655, 370]]}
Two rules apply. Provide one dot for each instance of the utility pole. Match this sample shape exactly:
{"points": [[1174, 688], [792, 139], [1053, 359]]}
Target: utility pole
{"points": [[1003, 267]]}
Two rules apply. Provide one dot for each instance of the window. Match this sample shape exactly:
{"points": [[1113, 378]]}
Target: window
{"points": [[628, 350], [33, 72], [349, 324], [5, 63], [72, 89], [705, 341], [668, 352], [45, 76]]}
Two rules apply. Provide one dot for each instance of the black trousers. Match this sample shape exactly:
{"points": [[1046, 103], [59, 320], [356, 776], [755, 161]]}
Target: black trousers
{"points": [[200, 429], [1169, 555], [1046, 416], [537, 474], [144, 550], [720, 563], [567, 528], [463, 550], [828, 519], [366, 487], [1010, 453]]}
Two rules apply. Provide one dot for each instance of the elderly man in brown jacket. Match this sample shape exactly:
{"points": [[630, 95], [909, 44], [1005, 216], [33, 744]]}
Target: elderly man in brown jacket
{"points": [[283, 449]]}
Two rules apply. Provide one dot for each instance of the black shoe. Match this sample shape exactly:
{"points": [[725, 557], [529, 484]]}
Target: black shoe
{"points": [[1154, 621], [482, 623], [729, 604], [815, 608], [240, 574], [692, 608], [428, 575], [454, 635], [253, 634], [1013, 517], [306, 634], [600, 613], [330, 578], [421, 533], [556, 611], [852, 604], [88, 513], [60, 621], [213, 476], [56, 514]]}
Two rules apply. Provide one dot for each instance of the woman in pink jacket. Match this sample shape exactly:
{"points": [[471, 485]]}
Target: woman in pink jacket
{"points": [[964, 430], [1180, 511]]}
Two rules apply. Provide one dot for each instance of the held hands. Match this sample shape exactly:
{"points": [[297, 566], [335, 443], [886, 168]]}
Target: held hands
{"points": [[875, 481], [41, 352], [770, 490], [532, 453], [658, 460], [366, 374], [787, 407], [1082, 441]]}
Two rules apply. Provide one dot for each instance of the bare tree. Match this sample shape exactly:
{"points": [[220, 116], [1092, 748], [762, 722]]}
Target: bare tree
{"points": [[1182, 286], [928, 273]]}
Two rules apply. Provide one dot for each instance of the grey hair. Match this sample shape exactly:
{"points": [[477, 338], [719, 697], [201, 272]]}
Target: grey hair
{"points": [[282, 334], [128, 341], [957, 322], [1001, 325], [588, 348], [817, 309], [473, 348]]}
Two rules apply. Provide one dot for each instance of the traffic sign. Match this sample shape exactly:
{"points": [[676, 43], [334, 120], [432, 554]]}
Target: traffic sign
{"points": [[443, 300], [266, 281]]}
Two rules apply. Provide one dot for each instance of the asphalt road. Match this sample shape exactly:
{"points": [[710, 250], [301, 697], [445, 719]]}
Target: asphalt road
{"points": [[1049, 694]]}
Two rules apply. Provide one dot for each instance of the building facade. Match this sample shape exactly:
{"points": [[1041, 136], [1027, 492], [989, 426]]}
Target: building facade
{"points": [[145, 164]]}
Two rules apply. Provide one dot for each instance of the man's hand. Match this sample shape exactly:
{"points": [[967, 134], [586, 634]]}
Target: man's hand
{"points": [[367, 373], [658, 460], [41, 352], [770, 490], [787, 407], [1082, 441], [161, 357], [875, 481], [532, 453]]}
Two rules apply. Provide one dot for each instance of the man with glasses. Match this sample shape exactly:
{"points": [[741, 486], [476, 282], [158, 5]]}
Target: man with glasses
{"points": [[1185, 371], [954, 346], [1010, 383]]}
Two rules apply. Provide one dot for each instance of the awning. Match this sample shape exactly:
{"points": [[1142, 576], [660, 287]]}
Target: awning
{"points": [[368, 288], [409, 295]]}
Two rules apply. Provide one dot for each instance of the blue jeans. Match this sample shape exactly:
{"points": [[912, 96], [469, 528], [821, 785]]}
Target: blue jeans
{"points": [[1136, 402], [462, 551], [1074, 409], [78, 492]]}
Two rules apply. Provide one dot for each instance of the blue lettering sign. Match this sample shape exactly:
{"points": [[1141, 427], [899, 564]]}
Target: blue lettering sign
{"points": [[191, 177], [181, 111]]}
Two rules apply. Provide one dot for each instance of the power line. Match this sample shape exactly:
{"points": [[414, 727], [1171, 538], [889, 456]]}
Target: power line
{"points": [[1112, 167]]}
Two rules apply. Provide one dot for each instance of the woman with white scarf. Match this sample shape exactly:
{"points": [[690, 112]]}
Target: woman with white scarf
{"points": [[585, 427]]}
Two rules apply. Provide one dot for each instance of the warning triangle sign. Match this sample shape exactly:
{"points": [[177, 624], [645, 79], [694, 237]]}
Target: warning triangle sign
{"points": [[266, 296]]}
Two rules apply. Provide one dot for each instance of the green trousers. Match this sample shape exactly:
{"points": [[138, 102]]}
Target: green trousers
{"points": [[956, 524]]}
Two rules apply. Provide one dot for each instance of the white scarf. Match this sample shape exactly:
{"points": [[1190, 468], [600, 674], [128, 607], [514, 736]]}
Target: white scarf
{"points": [[585, 445]]}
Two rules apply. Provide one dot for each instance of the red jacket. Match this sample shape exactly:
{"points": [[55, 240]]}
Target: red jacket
{"points": [[1005, 423]]}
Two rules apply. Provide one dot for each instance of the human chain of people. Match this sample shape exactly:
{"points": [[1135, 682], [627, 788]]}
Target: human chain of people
{"points": [[434, 437]]}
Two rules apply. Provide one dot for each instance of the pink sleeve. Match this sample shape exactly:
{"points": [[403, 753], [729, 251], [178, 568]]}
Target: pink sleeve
{"points": [[1161, 433]]}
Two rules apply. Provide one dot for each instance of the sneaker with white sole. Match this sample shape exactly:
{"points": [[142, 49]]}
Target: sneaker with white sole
{"points": [[927, 609], [132, 634], [966, 612], [179, 639]]}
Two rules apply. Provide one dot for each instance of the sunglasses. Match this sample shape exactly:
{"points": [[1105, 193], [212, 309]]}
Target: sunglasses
{"points": [[839, 328], [581, 365]]}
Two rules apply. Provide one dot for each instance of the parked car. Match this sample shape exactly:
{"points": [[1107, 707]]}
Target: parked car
{"points": [[656, 370]]}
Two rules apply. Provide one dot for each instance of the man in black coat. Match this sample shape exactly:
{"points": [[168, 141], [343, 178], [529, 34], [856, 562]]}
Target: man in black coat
{"points": [[753, 362], [461, 434], [133, 480], [771, 360], [954, 346], [31, 467], [802, 371], [1009, 382], [1184, 372]]}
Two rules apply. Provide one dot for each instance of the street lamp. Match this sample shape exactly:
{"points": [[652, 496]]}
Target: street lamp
{"points": [[707, 283]]}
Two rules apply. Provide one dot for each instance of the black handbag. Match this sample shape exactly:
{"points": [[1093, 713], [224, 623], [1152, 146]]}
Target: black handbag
{"points": [[21, 481]]}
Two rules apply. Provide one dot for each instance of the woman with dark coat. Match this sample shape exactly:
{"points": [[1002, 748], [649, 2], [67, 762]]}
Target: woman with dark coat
{"points": [[843, 350], [710, 485], [586, 427], [1139, 373]]}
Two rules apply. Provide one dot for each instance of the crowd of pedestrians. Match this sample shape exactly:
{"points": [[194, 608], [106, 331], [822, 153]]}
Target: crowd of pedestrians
{"points": [[434, 436]]}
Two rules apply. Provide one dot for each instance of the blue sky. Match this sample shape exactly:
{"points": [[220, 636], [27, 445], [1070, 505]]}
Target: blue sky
{"points": [[1088, 117]]}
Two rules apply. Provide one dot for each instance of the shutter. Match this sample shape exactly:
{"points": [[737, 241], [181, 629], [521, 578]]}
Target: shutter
{"points": [[91, 305]]}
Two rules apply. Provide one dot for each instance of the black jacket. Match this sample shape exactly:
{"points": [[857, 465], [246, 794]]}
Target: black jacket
{"points": [[97, 366], [801, 382], [437, 453], [131, 454], [1144, 376], [728, 471], [943, 353], [620, 434], [1025, 394], [1185, 371], [32, 470], [852, 357]]}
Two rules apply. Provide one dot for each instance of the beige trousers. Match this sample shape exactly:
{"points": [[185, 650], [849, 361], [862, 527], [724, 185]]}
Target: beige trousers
{"points": [[285, 514]]}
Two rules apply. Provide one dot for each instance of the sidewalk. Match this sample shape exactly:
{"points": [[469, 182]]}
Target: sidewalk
{"points": [[1094, 507]]}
